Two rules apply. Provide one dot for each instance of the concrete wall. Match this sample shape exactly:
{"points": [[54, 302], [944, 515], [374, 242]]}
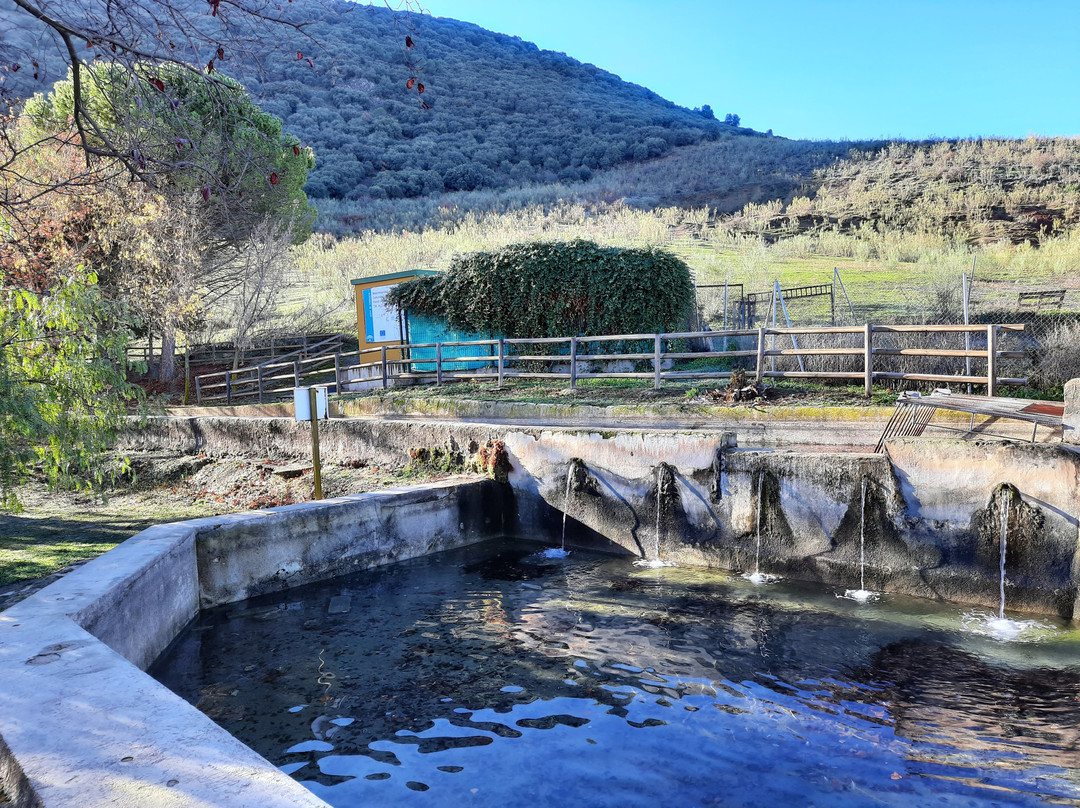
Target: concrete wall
{"points": [[1072, 412], [811, 501], [932, 510], [81, 726]]}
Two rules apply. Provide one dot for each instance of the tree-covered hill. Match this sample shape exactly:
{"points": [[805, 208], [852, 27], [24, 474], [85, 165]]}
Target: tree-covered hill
{"points": [[501, 111]]}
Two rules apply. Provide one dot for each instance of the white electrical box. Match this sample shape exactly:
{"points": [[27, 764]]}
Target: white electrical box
{"points": [[302, 403]]}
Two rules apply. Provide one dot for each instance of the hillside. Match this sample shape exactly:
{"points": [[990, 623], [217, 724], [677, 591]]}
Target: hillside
{"points": [[970, 191], [501, 111], [719, 176]]}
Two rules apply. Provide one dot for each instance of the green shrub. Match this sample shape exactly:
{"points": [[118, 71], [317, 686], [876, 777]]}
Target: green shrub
{"points": [[556, 289]]}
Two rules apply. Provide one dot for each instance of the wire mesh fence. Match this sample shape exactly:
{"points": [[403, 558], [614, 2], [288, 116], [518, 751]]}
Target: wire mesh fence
{"points": [[1046, 351]]}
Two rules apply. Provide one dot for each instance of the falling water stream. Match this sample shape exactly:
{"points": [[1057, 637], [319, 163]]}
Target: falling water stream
{"points": [[656, 562], [561, 551], [1004, 539], [999, 626], [757, 576], [862, 594]]}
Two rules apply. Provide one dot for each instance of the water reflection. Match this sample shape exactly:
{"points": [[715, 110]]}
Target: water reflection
{"points": [[476, 676]]}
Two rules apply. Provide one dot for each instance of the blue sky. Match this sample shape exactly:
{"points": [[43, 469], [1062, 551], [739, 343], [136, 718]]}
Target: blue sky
{"points": [[826, 68]]}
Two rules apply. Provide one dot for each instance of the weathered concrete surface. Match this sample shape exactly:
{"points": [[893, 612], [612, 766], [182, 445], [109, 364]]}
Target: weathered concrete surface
{"points": [[952, 492], [240, 557], [930, 527], [82, 727], [1071, 422]]}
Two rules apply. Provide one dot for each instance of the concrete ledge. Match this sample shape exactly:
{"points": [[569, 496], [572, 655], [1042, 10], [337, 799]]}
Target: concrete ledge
{"points": [[82, 727], [1071, 421]]}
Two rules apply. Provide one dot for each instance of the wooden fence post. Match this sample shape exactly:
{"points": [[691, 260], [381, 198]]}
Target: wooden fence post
{"points": [[385, 371], [438, 363], [760, 354], [228, 387], [296, 372], [573, 363], [991, 360], [502, 360], [259, 369], [868, 360], [198, 392], [656, 363]]}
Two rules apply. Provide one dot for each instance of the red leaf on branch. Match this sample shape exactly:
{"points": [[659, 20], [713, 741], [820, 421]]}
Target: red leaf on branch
{"points": [[210, 66], [419, 88], [206, 194], [408, 42], [273, 178], [15, 67], [310, 63], [409, 84], [299, 55], [296, 150], [159, 84], [214, 7], [220, 53]]}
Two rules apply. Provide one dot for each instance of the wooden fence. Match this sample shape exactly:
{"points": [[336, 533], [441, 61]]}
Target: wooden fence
{"points": [[576, 358], [218, 353]]}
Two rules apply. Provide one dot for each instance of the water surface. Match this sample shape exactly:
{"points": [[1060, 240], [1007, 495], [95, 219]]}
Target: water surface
{"points": [[491, 676]]}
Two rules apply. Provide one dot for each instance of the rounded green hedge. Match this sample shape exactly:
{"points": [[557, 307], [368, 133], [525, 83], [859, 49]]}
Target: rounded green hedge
{"points": [[556, 289]]}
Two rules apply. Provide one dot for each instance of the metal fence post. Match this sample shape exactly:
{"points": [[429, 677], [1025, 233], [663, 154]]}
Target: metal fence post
{"points": [[573, 363], [438, 363], [337, 373], [656, 363], [868, 360], [991, 360], [385, 370], [296, 372], [228, 387], [260, 375], [502, 360], [760, 354]]}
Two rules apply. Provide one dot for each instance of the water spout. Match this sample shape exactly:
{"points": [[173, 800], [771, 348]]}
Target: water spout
{"points": [[757, 576], [999, 626], [561, 551], [862, 594], [655, 561], [1004, 540]]}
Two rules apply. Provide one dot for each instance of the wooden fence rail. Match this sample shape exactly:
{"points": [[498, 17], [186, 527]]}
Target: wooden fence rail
{"points": [[500, 359]]}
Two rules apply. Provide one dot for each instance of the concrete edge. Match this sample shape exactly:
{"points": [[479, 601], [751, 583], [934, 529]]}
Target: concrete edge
{"points": [[82, 726]]}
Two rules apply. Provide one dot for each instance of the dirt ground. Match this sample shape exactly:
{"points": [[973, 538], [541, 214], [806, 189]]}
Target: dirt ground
{"points": [[57, 531]]}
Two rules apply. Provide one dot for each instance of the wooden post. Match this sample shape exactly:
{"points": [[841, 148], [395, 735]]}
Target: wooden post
{"points": [[438, 363], [868, 360], [337, 373], [259, 369], [296, 372], [991, 360], [198, 392], [966, 292], [315, 464], [760, 354], [502, 360], [656, 362], [385, 370], [187, 375], [573, 363], [228, 387]]}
